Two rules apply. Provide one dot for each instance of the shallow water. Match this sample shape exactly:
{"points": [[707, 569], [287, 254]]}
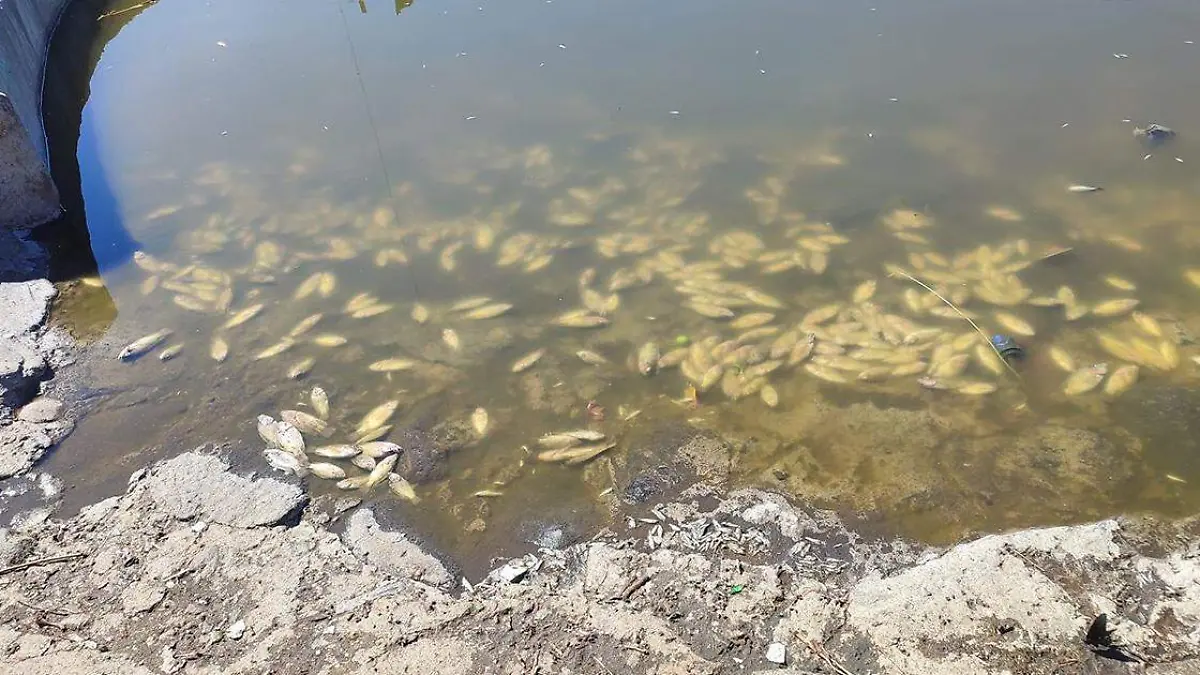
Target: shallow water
{"points": [[403, 148]]}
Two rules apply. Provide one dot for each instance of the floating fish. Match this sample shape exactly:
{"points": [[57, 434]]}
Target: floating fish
{"points": [[864, 292], [338, 451], [379, 449], [450, 337], [647, 358], [354, 483], [470, 303], [170, 352], [379, 415], [579, 318], [1083, 188], [290, 439], [143, 344], [1085, 379], [1116, 307], [242, 316], [754, 320], [1148, 325], [320, 402], [1015, 324], [268, 431], [479, 421], [575, 455], [327, 471], [308, 424], [329, 340], [275, 349], [972, 388], [1121, 380], [381, 471], [364, 462], [402, 488], [769, 396], [370, 311], [420, 313], [488, 311], [305, 325], [526, 362], [391, 365], [301, 368], [284, 461], [591, 358]]}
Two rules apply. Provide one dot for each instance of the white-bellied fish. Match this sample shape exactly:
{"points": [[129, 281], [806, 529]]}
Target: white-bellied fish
{"points": [[143, 344]]}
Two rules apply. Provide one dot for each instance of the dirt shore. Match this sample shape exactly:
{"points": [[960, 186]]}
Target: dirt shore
{"points": [[198, 570]]}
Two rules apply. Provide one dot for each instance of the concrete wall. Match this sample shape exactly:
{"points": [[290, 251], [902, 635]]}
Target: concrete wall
{"points": [[27, 194]]}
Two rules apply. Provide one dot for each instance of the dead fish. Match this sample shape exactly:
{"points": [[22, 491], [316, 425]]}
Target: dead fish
{"points": [[1148, 324], [769, 396], [820, 315], [487, 493], [470, 303], [986, 357], [308, 424], [372, 434], [275, 349], [354, 483], [824, 373], [381, 471], [307, 287], [579, 318], [864, 292], [1085, 379], [1121, 380], [577, 455], [170, 352], [450, 337], [1115, 307], [379, 415], [420, 313], [479, 422], [1120, 283], [268, 431], [320, 402], [379, 449], [488, 311], [1083, 188], [219, 349], [301, 368], [191, 303], [647, 358], [973, 388], [327, 471], [337, 451], [1015, 324], [950, 368], [558, 441], [391, 365], [710, 311], [242, 316], [370, 311], [329, 340], [932, 383], [305, 325], [526, 362], [283, 461], [762, 299], [747, 321], [364, 462], [143, 344], [711, 377], [585, 435], [290, 439], [402, 488], [591, 358], [802, 350]]}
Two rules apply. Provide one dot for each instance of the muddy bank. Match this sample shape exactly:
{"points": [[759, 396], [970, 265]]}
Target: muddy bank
{"points": [[198, 570]]}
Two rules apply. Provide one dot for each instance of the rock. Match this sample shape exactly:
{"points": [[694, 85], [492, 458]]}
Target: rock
{"points": [[777, 653], [28, 197], [42, 410], [21, 367], [423, 458], [236, 630], [193, 485], [24, 306], [22, 444], [393, 552]]}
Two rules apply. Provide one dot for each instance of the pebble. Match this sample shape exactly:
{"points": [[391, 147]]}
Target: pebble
{"points": [[777, 653], [236, 630], [41, 410]]}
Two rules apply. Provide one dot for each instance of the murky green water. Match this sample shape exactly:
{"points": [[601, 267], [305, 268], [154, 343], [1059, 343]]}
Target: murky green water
{"points": [[753, 158]]}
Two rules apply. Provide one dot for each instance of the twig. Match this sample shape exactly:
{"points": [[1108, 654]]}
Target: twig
{"points": [[41, 561], [968, 319], [825, 657]]}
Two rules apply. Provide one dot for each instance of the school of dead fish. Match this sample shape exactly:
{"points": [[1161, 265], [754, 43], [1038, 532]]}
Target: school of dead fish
{"points": [[742, 340]]}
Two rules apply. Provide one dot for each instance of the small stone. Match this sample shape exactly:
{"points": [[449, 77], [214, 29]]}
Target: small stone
{"points": [[236, 630], [777, 653], [41, 410], [199, 527]]}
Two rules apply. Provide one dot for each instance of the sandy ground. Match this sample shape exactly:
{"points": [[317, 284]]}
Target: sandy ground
{"points": [[198, 570]]}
